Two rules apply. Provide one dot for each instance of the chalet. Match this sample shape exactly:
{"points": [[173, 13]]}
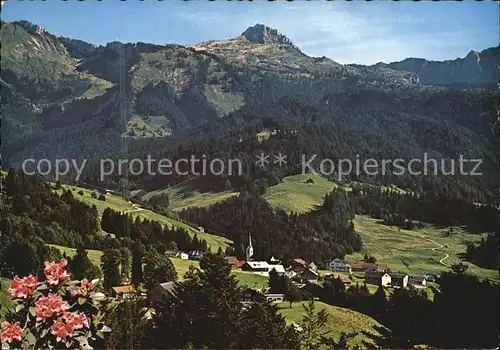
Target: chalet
{"points": [[299, 265], [274, 261], [182, 255], [124, 291], [309, 275], [161, 292], [234, 261], [337, 265], [361, 267], [346, 280], [171, 253], [249, 295], [379, 278], [262, 268], [417, 280], [399, 279], [275, 298]]}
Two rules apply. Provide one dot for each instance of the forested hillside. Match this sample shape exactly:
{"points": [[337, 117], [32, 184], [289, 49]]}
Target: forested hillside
{"points": [[36, 213], [215, 98]]}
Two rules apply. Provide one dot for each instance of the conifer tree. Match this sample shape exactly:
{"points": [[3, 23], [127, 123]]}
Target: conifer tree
{"points": [[110, 266]]}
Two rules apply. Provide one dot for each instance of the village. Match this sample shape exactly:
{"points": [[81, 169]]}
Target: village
{"points": [[300, 272]]}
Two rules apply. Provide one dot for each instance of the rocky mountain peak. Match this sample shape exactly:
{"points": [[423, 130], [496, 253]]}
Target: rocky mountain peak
{"points": [[261, 34]]}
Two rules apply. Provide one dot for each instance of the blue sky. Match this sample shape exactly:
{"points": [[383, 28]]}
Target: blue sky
{"points": [[348, 32]]}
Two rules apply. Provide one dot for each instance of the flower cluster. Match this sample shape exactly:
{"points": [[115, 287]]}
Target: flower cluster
{"points": [[64, 326], [10, 332], [49, 306], [56, 310], [23, 287], [83, 290], [55, 272]]}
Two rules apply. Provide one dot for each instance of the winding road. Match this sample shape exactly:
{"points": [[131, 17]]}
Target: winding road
{"points": [[436, 250]]}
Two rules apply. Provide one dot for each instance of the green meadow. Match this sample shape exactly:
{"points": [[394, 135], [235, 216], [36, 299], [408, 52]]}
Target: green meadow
{"points": [[340, 320]]}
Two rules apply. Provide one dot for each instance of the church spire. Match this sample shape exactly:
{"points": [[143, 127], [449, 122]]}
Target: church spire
{"points": [[249, 250]]}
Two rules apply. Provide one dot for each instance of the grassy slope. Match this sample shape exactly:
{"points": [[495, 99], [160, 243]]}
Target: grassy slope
{"points": [[93, 255], [120, 204], [293, 194], [341, 320], [181, 197], [409, 251]]}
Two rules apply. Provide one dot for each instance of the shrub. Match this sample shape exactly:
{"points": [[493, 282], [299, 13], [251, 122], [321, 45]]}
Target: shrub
{"points": [[55, 312]]}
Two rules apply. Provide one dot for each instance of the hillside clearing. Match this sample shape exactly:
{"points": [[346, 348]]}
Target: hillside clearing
{"points": [[182, 197], [294, 194], [93, 255], [414, 251]]}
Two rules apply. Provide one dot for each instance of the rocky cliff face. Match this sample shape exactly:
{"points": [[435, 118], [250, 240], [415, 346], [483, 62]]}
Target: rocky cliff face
{"points": [[260, 34], [477, 68]]}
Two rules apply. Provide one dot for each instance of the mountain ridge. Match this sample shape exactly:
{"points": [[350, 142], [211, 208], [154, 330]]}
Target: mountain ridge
{"points": [[68, 98]]}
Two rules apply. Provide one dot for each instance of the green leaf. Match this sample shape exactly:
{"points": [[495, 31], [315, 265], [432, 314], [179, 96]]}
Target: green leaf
{"points": [[30, 338], [19, 307], [42, 287], [32, 310]]}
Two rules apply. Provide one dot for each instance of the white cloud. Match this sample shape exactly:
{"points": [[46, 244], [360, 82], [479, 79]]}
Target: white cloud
{"points": [[332, 29]]}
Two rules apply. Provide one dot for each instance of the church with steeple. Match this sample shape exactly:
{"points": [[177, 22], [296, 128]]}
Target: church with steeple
{"points": [[249, 250], [260, 267]]}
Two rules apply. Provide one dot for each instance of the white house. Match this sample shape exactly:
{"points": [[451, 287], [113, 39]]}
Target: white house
{"points": [[417, 281], [313, 266], [337, 265], [399, 279], [275, 298], [182, 255], [262, 268], [379, 278]]}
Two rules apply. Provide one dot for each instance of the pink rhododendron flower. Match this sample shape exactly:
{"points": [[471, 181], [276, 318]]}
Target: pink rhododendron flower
{"points": [[55, 272], [22, 287], [10, 332], [64, 326], [76, 319], [61, 330], [50, 305], [85, 286]]}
